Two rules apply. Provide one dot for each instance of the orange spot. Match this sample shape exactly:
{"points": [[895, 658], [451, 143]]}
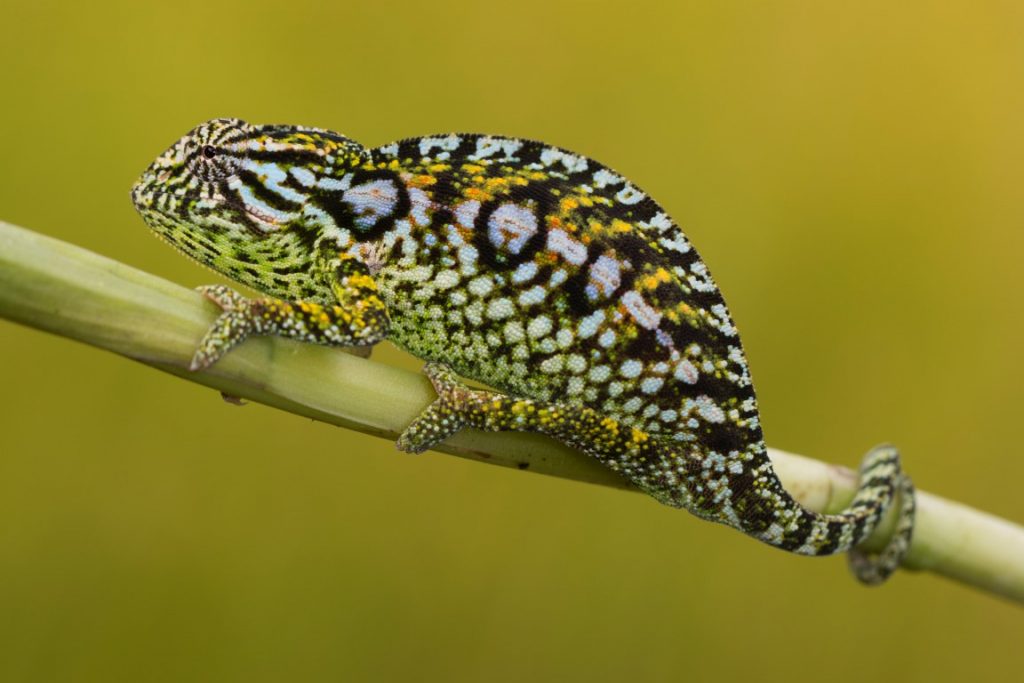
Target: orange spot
{"points": [[422, 181]]}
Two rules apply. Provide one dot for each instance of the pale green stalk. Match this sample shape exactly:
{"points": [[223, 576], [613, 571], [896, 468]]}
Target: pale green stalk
{"points": [[60, 288]]}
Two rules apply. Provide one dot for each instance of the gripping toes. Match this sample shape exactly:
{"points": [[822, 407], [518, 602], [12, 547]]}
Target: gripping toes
{"points": [[225, 297], [230, 329], [442, 418]]}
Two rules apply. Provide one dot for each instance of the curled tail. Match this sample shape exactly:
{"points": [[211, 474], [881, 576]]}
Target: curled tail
{"points": [[781, 521]]}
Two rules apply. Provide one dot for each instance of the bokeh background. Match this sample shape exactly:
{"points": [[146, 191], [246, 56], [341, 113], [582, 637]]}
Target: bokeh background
{"points": [[852, 173]]}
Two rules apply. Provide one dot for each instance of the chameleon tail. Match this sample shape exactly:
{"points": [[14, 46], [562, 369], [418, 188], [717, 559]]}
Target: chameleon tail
{"points": [[809, 533]]}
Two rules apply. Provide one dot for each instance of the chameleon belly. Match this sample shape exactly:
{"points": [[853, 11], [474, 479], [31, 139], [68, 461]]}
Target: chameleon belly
{"points": [[533, 270]]}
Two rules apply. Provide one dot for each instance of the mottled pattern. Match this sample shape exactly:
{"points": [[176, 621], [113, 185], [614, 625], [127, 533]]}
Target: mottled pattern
{"points": [[533, 270]]}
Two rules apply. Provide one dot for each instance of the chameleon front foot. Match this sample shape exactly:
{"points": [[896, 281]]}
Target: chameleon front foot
{"points": [[445, 416], [230, 329]]}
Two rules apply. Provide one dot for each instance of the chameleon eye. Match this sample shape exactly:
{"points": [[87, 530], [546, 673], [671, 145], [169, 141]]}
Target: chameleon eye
{"points": [[208, 152]]}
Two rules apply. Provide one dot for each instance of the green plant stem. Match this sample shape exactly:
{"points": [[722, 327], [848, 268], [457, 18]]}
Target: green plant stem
{"points": [[66, 290]]}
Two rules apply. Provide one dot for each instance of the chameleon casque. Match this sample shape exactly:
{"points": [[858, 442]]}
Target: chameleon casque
{"points": [[533, 270]]}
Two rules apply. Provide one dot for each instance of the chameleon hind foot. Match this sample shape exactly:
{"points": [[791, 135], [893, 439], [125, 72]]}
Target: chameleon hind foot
{"points": [[873, 569], [442, 418]]}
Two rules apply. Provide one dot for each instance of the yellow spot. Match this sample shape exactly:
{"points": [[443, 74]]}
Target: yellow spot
{"points": [[621, 226], [477, 194], [472, 168], [422, 181], [438, 168], [493, 184], [568, 204], [652, 280]]}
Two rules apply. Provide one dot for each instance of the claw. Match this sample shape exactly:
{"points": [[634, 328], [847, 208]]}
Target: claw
{"points": [[225, 297]]}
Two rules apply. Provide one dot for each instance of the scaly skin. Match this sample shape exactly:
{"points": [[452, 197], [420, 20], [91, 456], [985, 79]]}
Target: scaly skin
{"points": [[533, 270]]}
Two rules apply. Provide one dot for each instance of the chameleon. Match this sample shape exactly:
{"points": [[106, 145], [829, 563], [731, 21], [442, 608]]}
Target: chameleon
{"points": [[538, 273]]}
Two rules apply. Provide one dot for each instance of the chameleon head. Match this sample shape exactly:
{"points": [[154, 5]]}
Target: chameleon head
{"points": [[235, 196]]}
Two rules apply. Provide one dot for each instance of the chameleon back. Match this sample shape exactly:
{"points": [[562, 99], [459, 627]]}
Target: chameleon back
{"points": [[547, 275]]}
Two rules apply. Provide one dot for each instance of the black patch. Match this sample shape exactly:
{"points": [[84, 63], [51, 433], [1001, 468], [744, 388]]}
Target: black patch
{"points": [[645, 346], [265, 194]]}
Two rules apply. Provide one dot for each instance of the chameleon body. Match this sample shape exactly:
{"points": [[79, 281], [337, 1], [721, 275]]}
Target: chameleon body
{"points": [[533, 270]]}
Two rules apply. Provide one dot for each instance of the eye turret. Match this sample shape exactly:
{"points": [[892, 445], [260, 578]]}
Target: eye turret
{"points": [[210, 163]]}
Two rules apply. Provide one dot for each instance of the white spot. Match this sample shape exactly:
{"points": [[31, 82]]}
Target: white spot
{"points": [[552, 365], [532, 296], [588, 326], [633, 404], [606, 339], [603, 177], [557, 278], [514, 331], [564, 337], [389, 150], [447, 143], [645, 316], [371, 201], [575, 363], [539, 326], [489, 146], [650, 385], [525, 272], [701, 279], [604, 276], [573, 251], [600, 373], [631, 368], [629, 195], [660, 222], [474, 312], [467, 258], [725, 324], [709, 410], [446, 279], [574, 386], [572, 163], [417, 274], [419, 202], [480, 286], [499, 309], [466, 212], [686, 372], [510, 226]]}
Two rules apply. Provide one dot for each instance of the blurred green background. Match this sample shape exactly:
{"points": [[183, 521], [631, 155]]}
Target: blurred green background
{"points": [[852, 174]]}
